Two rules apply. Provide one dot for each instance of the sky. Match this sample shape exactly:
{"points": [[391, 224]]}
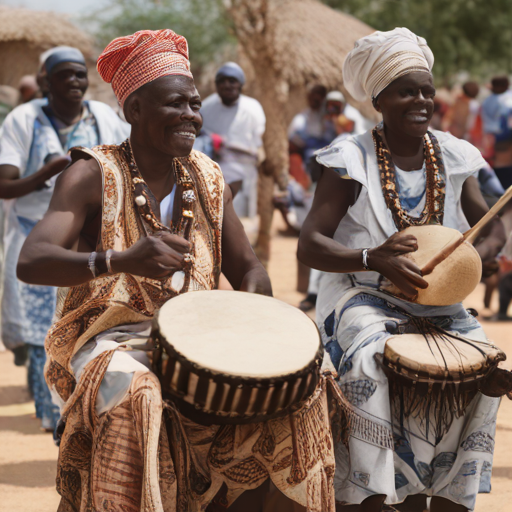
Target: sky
{"points": [[72, 7]]}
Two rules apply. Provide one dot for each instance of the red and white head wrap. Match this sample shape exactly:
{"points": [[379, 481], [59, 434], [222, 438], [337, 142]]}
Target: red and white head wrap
{"points": [[130, 62]]}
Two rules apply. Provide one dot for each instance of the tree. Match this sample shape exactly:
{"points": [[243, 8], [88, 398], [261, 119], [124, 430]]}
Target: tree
{"points": [[465, 35], [203, 22]]}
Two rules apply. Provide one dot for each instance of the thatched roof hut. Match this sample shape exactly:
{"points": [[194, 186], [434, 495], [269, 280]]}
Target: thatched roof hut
{"points": [[290, 45], [25, 34]]}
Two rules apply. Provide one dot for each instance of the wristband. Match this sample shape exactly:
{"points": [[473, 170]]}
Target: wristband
{"points": [[108, 255], [92, 264], [365, 259]]}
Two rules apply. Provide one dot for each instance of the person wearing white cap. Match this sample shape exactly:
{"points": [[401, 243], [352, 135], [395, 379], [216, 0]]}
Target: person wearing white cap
{"points": [[352, 121], [240, 121], [34, 141], [373, 186]]}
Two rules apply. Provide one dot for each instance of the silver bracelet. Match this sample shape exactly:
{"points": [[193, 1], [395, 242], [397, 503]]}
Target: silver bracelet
{"points": [[92, 264], [108, 255], [365, 259]]}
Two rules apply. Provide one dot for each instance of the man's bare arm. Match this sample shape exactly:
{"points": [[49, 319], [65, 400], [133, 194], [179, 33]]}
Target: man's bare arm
{"points": [[12, 186], [50, 254], [56, 253], [239, 263]]}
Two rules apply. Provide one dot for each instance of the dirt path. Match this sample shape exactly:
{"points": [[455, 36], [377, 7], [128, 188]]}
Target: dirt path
{"points": [[28, 456]]}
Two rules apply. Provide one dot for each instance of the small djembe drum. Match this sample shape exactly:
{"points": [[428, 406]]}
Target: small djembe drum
{"points": [[434, 376]]}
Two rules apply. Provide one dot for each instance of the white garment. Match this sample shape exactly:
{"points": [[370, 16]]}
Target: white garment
{"points": [[27, 137], [242, 126], [122, 366], [309, 122], [167, 206], [382, 57], [368, 223], [354, 319], [17, 140]]}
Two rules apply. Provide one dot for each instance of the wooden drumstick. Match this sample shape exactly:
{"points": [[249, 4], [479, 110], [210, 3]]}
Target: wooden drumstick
{"points": [[470, 235]]}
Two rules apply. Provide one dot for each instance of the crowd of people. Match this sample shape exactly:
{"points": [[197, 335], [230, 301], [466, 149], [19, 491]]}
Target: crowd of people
{"points": [[107, 215], [481, 117]]}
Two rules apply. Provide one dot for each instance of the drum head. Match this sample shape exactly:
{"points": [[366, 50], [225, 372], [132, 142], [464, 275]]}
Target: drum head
{"points": [[238, 333], [454, 278], [416, 354]]}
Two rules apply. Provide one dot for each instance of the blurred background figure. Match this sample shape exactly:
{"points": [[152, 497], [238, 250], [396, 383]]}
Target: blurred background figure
{"points": [[345, 117], [34, 141], [463, 117], [497, 127], [235, 124], [28, 88], [8, 100], [328, 117]]}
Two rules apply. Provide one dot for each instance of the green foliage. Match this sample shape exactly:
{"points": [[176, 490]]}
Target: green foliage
{"points": [[465, 35], [203, 22]]}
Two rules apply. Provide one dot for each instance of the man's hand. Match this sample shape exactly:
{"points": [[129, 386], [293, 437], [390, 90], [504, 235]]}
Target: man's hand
{"points": [[55, 166], [155, 256], [388, 259]]}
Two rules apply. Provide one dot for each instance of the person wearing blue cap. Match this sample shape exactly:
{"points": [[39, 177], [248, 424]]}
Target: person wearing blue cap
{"points": [[240, 121], [34, 141]]}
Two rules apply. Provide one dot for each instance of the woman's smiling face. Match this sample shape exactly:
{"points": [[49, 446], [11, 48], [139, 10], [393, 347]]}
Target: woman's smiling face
{"points": [[407, 104]]}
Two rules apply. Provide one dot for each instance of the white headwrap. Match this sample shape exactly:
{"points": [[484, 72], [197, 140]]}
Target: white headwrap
{"points": [[382, 57]]}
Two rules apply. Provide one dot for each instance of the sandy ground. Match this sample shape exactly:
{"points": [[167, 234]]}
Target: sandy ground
{"points": [[28, 456]]}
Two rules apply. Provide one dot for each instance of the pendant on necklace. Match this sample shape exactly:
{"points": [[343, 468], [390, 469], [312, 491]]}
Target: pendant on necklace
{"points": [[177, 281], [140, 200]]}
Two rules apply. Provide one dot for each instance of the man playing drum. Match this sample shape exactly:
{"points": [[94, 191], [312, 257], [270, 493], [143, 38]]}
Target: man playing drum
{"points": [[397, 175], [129, 227]]}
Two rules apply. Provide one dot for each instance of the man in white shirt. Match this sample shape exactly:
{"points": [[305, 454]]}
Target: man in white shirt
{"points": [[240, 121], [34, 141]]}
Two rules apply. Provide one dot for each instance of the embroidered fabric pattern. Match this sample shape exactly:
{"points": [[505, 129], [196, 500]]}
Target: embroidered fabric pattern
{"points": [[86, 310], [123, 458], [434, 205]]}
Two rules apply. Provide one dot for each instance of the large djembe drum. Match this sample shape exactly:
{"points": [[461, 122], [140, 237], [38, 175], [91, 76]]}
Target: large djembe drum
{"points": [[233, 357]]}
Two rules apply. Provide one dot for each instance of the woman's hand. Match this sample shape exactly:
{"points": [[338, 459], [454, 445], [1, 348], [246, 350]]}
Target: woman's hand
{"points": [[155, 256], [388, 259]]}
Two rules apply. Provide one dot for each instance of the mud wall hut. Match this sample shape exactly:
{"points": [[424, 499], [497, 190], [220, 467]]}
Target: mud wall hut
{"points": [[25, 34]]}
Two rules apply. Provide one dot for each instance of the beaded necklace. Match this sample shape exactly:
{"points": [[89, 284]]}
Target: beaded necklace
{"points": [[143, 204], [433, 211]]}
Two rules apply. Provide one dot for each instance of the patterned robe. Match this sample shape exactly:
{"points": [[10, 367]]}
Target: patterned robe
{"points": [[142, 454]]}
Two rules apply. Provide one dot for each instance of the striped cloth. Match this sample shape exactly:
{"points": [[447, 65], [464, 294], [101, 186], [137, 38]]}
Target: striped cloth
{"points": [[129, 62]]}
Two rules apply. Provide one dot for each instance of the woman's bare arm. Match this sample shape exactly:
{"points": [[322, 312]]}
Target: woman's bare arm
{"points": [[317, 249]]}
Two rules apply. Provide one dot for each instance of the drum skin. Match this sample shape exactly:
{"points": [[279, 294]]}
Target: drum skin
{"points": [[231, 357], [443, 359], [454, 278]]}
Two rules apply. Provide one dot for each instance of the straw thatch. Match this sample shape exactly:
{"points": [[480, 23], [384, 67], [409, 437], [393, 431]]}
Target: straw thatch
{"points": [[290, 45], [25, 34]]}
